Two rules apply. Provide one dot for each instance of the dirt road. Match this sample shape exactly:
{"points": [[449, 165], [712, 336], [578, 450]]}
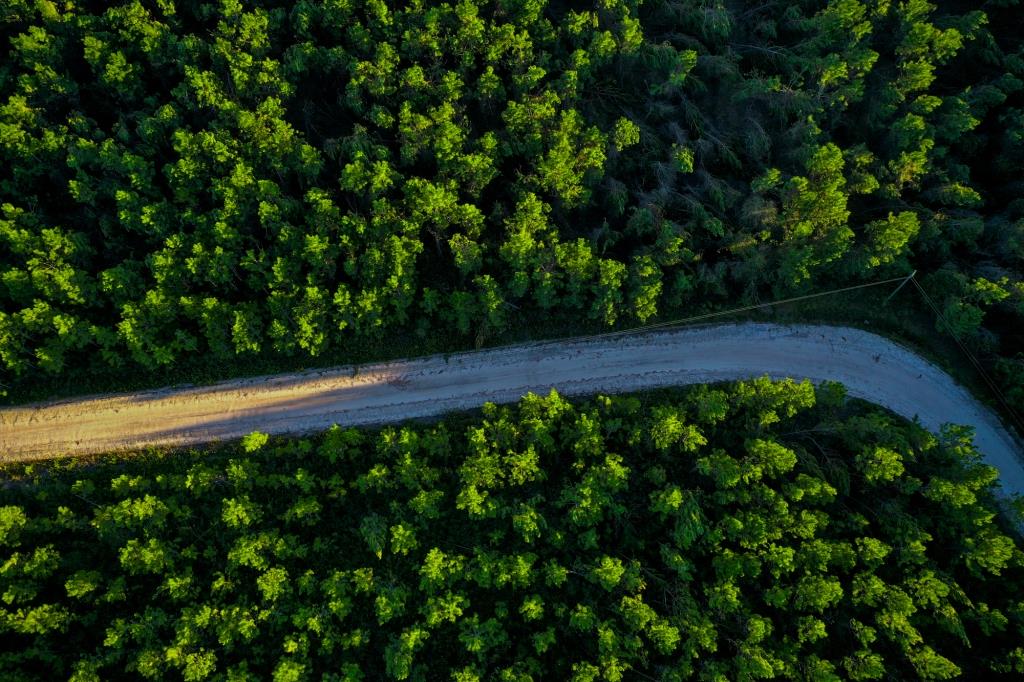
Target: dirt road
{"points": [[871, 367]]}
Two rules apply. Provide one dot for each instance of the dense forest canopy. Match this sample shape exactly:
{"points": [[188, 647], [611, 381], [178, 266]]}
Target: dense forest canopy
{"points": [[759, 530], [231, 179], [272, 179]]}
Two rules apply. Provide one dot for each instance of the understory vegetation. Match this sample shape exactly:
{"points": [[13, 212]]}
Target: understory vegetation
{"points": [[757, 530], [237, 180]]}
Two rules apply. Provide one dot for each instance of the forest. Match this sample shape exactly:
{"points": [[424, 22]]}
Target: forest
{"points": [[274, 184], [267, 180], [735, 532]]}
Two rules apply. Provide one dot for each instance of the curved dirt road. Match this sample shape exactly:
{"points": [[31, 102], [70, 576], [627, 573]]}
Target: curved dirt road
{"points": [[872, 368]]}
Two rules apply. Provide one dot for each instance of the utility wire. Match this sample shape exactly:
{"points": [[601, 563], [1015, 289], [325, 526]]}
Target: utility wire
{"points": [[974, 361], [707, 316], [696, 318]]}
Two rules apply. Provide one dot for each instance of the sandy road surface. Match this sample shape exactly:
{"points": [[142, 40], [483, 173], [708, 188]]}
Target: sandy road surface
{"points": [[871, 367]]}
